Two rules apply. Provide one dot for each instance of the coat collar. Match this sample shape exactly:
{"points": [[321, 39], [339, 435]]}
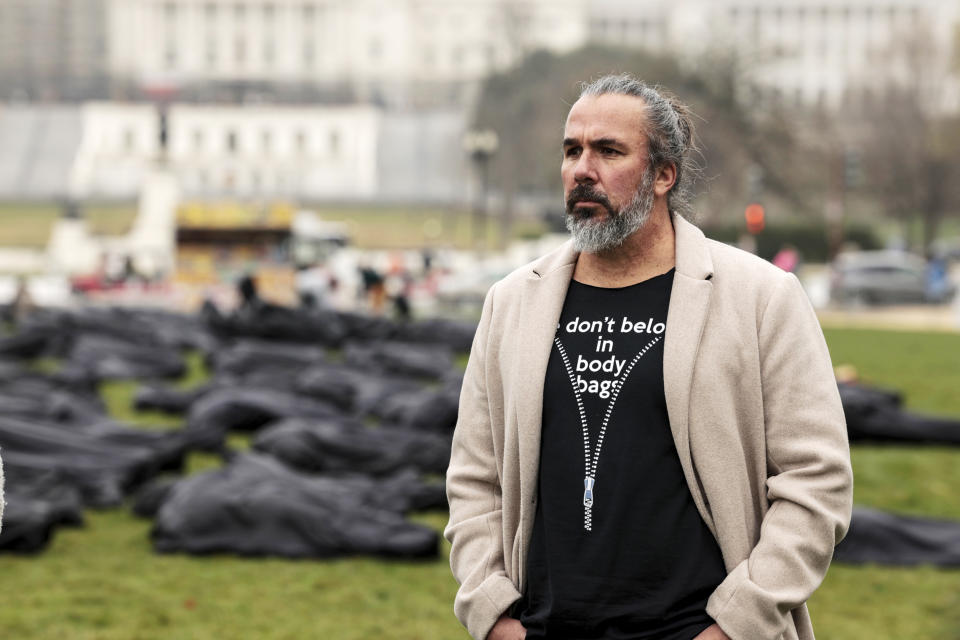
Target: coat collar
{"points": [[692, 254]]}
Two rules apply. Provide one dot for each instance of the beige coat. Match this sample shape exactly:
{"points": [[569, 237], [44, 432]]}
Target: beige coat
{"points": [[755, 415]]}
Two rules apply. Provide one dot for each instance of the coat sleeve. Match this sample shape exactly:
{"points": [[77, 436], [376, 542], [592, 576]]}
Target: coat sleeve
{"points": [[475, 530], [809, 478]]}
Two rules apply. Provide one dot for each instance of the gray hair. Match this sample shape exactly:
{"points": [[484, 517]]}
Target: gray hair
{"points": [[669, 130]]}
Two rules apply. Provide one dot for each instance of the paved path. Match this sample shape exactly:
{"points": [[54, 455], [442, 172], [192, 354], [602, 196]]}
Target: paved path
{"points": [[905, 318]]}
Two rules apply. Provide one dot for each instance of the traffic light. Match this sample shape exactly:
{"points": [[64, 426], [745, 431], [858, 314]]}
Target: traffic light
{"points": [[754, 215]]}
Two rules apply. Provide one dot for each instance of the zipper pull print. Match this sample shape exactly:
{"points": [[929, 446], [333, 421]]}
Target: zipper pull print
{"points": [[588, 491]]}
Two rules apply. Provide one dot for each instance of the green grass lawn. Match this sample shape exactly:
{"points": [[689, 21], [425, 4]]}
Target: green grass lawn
{"points": [[104, 581], [26, 225], [398, 228], [29, 225]]}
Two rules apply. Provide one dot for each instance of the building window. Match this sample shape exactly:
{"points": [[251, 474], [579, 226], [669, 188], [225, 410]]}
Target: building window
{"points": [[334, 143], [211, 52], [170, 56], [268, 53], [266, 141], [129, 140], [308, 54], [170, 11], [211, 11], [375, 48], [232, 142], [300, 142], [309, 12], [198, 140], [240, 51], [268, 11]]}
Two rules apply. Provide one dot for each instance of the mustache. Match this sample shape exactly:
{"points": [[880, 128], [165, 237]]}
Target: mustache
{"points": [[586, 193]]}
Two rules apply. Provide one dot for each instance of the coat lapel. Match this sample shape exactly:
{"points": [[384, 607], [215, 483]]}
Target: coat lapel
{"points": [[689, 307], [543, 295]]}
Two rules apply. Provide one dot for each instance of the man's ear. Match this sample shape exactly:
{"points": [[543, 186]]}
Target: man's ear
{"points": [[666, 178]]}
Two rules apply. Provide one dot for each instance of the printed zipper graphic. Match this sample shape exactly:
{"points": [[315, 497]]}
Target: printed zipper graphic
{"points": [[591, 455]]}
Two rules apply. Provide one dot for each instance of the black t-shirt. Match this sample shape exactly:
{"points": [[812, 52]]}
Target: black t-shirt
{"points": [[618, 548]]}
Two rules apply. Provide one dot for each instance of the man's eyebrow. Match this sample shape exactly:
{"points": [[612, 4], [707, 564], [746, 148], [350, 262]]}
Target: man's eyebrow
{"points": [[599, 142], [606, 142]]}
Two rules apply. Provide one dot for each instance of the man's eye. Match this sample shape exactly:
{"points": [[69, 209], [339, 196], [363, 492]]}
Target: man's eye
{"points": [[609, 151], [572, 152]]}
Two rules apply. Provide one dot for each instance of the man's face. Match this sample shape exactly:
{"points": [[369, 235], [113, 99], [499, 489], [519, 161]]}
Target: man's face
{"points": [[607, 185]]}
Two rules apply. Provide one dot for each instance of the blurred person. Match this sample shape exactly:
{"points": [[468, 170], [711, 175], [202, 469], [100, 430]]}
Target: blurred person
{"points": [[252, 307], [937, 278], [247, 291], [373, 288], [314, 286], [650, 440], [22, 304], [399, 286], [787, 258]]}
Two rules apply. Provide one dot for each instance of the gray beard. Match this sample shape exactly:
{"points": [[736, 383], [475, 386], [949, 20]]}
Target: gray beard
{"points": [[598, 236]]}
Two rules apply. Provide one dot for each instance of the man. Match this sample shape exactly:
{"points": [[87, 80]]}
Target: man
{"points": [[650, 441]]}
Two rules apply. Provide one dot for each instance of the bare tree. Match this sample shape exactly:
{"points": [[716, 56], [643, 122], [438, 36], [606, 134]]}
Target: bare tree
{"points": [[911, 141], [528, 104]]}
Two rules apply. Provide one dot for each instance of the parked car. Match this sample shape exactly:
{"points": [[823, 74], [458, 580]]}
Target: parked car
{"points": [[877, 277]]}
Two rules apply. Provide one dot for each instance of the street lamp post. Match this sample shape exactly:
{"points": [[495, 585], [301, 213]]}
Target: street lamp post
{"points": [[480, 145]]}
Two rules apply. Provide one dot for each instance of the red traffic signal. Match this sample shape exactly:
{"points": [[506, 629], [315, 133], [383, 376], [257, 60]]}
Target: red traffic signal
{"points": [[754, 215]]}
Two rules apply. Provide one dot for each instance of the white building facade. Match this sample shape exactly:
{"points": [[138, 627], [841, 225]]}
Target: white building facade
{"points": [[359, 153], [837, 54], [316, 153], [383, 50], [268, 151]]}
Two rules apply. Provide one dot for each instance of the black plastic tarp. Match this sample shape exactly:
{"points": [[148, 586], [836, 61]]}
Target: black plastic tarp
{"points": [[877, 537], [106, 358], [400, 358], [257, 506], [426, 409], [103, 460], [877, 415], [245, 356], [273, 322], [355, 390], [350, 446], [224, 410]]}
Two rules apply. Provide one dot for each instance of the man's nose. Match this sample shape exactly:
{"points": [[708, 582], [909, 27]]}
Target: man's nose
{"points": [[584, 171]]}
